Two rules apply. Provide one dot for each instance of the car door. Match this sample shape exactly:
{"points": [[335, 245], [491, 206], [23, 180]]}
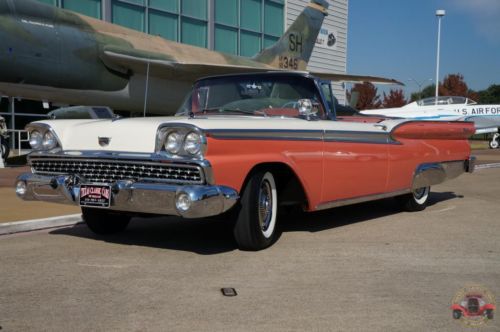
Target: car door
{"points": [[355, 159]]}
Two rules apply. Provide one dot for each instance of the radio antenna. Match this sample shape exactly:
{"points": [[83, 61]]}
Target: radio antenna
{"points": [[146, 90]]}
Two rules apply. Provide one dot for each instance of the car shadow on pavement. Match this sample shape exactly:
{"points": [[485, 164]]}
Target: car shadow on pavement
{"points": [[202, 236], [214, 236], [351, 214]]}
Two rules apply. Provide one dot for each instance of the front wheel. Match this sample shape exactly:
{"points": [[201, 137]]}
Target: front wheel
{"points": [[489, 314], [457, 314], [255, 226], [104, 222], [494, 142], [416, 200]]}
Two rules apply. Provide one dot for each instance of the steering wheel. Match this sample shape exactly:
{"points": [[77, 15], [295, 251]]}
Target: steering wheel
{"points": [[290, 104]]}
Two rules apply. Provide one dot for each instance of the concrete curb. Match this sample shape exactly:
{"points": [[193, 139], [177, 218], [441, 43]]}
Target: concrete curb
{"points": [[36, 224], [486, 166]]}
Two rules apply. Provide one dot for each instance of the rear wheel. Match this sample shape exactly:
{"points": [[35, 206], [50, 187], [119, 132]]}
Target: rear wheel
{"points": [[255, 226], [105, 222], [416, 200]]}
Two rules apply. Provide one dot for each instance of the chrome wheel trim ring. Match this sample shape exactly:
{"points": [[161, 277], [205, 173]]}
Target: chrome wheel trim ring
{"points": [[267, 205], [420, 195]]}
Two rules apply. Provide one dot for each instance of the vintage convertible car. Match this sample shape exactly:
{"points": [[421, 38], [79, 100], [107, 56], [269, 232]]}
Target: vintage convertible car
{"points": [[245, 146]]}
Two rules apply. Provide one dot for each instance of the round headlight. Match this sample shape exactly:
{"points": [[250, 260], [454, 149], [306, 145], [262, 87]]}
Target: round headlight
{"points": [[192, 143], [49, 141], [36, 140], [173, 143]]}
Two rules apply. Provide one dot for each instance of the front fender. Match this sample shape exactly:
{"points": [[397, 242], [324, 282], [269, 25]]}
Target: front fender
{"points": [[232, 161]]}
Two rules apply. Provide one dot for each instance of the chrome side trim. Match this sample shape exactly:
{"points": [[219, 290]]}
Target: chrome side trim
{"points": [[361, 199], [344, 136], [358, 137], [266, 134]]}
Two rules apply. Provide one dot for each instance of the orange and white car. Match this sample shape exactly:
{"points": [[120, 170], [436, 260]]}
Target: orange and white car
{"points": [[249, 145]]}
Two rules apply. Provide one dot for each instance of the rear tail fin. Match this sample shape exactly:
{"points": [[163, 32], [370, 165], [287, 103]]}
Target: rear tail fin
{"points": [[294, 48]]}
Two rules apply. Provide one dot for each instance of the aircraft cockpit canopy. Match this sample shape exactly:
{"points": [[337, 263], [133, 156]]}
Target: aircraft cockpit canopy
{"points": [[446, 100]]}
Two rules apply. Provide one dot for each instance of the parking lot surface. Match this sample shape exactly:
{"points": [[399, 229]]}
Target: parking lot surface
{"points": [[364, 267]]}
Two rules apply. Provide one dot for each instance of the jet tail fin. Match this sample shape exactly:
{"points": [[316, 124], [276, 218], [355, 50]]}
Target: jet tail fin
{"points": [[293, 50]]}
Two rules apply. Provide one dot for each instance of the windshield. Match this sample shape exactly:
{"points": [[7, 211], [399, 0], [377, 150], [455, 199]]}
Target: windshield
{"points": [[264, 95], [446, 100]]}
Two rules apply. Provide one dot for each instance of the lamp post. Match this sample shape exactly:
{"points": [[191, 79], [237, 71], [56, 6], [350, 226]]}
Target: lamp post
{"points": [[419, 85], [439, 13]]}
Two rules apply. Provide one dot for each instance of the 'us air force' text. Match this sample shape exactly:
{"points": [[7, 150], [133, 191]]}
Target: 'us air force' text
{"points": [[479, 111]]}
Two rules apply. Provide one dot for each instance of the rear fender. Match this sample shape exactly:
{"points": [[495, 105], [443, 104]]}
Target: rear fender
{"points": [[433, 130]]}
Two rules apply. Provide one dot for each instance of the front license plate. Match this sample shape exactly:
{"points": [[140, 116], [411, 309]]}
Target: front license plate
{"points": [[95, 195]]}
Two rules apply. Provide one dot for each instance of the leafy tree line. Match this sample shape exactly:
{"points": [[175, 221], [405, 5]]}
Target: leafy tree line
{"points": [[452, 85]]}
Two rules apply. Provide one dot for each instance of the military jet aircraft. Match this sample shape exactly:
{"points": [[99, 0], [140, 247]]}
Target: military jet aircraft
{"points": [[446, 108], [52, 54]]}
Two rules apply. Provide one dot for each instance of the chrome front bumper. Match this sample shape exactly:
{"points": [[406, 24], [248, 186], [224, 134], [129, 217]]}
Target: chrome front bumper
{"points": [[129, 196]]}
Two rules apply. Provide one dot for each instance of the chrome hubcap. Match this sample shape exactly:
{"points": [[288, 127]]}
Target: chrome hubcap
{"points": [[265, 205], [420, 192]]}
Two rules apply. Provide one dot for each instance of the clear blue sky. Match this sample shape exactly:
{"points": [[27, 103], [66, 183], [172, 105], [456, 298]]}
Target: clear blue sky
{"points": [[398, 39]]}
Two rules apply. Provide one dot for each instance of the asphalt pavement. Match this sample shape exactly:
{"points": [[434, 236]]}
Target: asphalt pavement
{"points": [[367, 267]]}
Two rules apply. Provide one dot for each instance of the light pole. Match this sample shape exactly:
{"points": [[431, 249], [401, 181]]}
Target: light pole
{"points": [[419, 85], [439, 13]]}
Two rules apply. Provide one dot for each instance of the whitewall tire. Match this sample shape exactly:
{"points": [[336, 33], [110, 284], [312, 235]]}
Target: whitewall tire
{"points": [[256, 223], [416, 200]]}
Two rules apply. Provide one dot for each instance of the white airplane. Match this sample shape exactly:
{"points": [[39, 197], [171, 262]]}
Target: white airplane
{"points": [[485, 117]]}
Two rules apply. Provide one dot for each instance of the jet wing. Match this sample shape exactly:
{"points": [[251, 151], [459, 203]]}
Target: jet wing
{"points": [[170, 69], [484, 124], [163, 67], [355, 78]]}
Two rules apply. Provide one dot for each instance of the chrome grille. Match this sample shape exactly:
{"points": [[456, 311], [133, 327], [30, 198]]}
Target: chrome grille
{"points": [[109, 171]]}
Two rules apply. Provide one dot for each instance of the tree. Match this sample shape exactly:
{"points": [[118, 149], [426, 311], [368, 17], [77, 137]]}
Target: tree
{"points": [[428, 91], [395, 98], [454, 85], [367, 96], [490, 95]]}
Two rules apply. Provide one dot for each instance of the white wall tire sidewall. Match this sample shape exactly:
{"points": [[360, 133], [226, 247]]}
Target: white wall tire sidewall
{"points": [[422, 200], [268, 233]]}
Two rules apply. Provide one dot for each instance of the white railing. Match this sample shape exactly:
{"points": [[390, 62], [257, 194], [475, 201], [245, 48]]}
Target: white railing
{"points": [[22, 136]]}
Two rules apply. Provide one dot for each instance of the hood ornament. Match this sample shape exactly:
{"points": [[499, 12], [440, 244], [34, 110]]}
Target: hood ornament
{"points": [[104, 141]]}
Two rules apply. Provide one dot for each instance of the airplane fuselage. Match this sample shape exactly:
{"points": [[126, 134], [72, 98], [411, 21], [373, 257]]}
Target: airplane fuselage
{"points": [[438, 112], [56, 55], [485, 117]]}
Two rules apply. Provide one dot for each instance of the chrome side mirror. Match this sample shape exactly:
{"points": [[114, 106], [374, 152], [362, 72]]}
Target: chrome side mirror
{"points": [[307, 108]]}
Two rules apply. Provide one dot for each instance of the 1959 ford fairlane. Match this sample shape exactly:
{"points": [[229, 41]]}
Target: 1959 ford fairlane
{"points": [[243, 145]]}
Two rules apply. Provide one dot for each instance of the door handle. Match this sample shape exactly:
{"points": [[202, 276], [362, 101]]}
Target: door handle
{"points": [[381, 126]]}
